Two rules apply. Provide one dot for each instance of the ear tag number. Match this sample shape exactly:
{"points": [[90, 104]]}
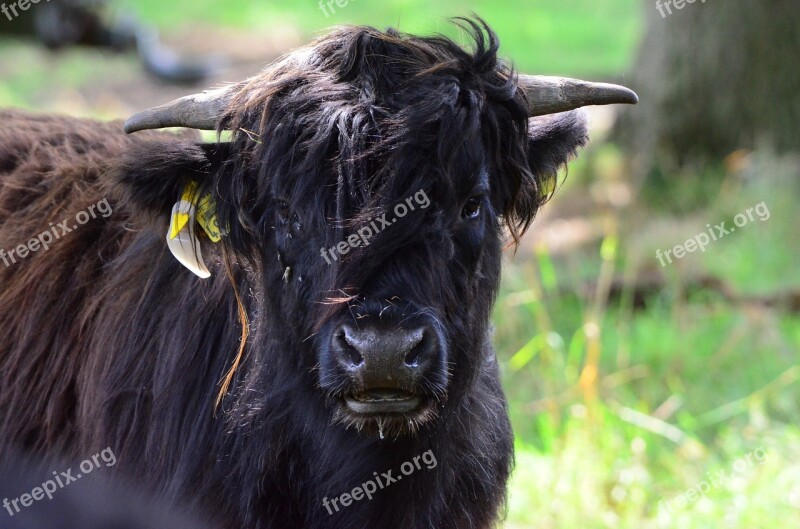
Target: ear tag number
{"points": [[207, 217]]}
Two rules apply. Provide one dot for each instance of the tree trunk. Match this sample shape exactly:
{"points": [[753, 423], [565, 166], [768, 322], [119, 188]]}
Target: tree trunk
{"points": [[714, 77]]}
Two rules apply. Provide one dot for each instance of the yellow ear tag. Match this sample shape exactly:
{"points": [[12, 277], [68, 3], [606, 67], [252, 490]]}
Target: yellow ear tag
{"points": [[182, 239]]}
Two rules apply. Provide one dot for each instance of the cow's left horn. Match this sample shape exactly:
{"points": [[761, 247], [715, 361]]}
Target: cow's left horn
{"points": [[199, 111], [548, 95]]}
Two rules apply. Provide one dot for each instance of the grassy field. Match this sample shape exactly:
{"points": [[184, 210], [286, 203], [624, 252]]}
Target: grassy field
{"points": [[671, 405], [641, 396]]}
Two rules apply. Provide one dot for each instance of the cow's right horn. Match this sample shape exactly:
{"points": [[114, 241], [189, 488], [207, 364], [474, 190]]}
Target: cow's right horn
{"points": [[199, 111]]}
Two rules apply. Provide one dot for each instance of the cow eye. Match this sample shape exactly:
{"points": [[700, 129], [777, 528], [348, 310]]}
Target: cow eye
{"points": [[283, 211], [472, 209]]}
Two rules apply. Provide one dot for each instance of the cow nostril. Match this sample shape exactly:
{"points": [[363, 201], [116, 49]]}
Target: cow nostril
{"points": [[412, 357], [351, 354]]}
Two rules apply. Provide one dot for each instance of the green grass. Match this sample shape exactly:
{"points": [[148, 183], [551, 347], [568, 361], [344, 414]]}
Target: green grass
{"points": [[620, 412]]}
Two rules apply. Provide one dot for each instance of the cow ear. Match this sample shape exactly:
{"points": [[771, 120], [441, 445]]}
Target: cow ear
{"points": [[149, 177], [553, 140]]}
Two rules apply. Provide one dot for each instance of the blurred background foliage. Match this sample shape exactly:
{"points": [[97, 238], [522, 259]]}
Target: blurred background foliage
{"points": [[630, 384]]}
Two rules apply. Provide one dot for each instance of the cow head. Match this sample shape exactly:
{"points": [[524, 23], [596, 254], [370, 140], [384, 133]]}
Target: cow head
{"points": [[365, 195]]}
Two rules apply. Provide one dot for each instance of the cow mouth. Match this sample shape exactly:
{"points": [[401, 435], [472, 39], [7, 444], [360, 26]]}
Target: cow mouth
{"points": [[382, 402], [384, 412]]}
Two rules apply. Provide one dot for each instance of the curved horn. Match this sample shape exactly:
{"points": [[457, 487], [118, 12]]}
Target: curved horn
{"points": [[548, 95], [199, 111]]}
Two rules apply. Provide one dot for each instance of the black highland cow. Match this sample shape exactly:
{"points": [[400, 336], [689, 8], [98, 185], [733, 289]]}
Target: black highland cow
{"points": [[316, 357]]}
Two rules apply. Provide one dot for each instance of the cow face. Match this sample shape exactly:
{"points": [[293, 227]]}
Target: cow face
{"points": [[367, 193], [383, 169]]}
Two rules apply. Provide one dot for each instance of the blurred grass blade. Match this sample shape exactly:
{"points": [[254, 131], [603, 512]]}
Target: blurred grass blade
{"points": [[528, 352]]}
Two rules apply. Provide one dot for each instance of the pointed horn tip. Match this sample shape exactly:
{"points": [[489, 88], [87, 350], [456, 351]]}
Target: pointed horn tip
{"points": [[600, 93], [618, 94], [155, 118], [134, 124], [198, 111]]}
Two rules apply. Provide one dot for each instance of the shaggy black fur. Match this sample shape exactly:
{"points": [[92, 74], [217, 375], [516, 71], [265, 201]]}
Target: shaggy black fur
{"points": [[108, 341]]}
